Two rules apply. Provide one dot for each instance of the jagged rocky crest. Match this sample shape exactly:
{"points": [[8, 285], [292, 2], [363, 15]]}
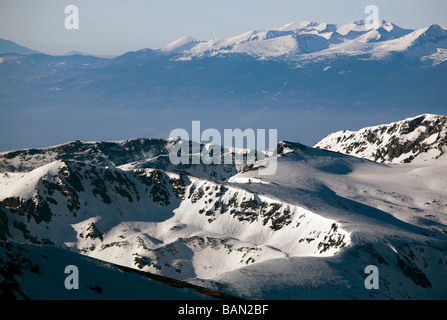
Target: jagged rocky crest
{"points": [[416, 139]]}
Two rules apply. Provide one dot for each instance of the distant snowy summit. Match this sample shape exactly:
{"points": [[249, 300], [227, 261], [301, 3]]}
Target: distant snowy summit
{"points": [[182, 44], [412, 140], [311, 40], [303, 42]]}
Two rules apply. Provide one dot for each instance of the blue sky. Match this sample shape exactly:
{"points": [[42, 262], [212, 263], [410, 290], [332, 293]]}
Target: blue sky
{"points": [[118, 26]]}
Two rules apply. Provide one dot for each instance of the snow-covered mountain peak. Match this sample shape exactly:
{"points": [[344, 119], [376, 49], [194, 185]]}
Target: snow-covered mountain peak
{"points": [[181, 44], [415, 140], [303, 25], [432, 33], [294, 26], [310, 41], [285, 147], [385, 32], [356, 26], [388, 26]]}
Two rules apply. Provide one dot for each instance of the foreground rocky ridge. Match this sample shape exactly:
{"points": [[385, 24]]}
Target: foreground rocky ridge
{"points": [[413, 140]]}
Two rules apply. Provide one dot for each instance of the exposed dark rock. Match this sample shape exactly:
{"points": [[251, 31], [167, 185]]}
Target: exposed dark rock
{"points": [[36, 208], [405, 139], [93, 232]]}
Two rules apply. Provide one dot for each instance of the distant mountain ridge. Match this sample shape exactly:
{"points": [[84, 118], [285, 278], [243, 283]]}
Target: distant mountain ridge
{"points": [[417, 139], [7, 46], [301, 41], [325, 77], [294, 41], [131, 154]]}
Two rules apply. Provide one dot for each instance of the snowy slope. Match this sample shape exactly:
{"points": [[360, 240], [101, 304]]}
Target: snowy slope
{"points": [[309, 230], [178, 225], [396, 217], [291, 39], [179, 45], [415, 140], [307, 41]]}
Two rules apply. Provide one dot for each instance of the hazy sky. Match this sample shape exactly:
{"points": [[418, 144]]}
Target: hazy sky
{"points": [[118, 26]]}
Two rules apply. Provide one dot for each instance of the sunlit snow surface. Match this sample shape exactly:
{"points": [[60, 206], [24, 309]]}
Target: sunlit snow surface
{"points": [[304, 41], [308, 231]]}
